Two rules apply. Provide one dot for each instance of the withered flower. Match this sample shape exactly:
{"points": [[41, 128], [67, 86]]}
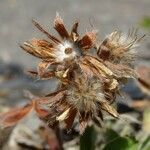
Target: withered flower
{"points": [[61, 54], [90, 77], [84, 100], [120, 48]]}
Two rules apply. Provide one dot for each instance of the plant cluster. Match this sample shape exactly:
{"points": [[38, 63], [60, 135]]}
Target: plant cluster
{"points": [[90, 76]]}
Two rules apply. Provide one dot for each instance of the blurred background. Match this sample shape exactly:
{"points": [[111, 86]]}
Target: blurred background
{"points": [[104, 15]]}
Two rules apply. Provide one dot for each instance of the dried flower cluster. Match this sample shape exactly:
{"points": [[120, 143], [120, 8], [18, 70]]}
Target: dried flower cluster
{"points": [[90, 76]]}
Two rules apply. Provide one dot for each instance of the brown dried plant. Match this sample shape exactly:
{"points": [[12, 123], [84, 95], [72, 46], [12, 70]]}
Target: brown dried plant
{"points": [[89, 76]]}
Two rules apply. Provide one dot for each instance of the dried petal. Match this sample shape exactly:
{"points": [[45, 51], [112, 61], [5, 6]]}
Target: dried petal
{"points": [[86, 70], [74, 34], [48, 75], [59, 26], [70, 119], [106, 107], [88, 40], [121, 71], [113, 85], [13, 116], [45, 76], [42, 67], [41, 111], [56, 96], [65, 73], [63, 116], [28, 48], [45, 32], [39, 48], [101, 68], [103, 51]]}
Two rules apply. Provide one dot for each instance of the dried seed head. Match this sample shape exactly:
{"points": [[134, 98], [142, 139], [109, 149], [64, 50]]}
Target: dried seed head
{"points": [[85, 99], [119, 48], [85, 95], [89, 82], [70, 48], [64, 51]]}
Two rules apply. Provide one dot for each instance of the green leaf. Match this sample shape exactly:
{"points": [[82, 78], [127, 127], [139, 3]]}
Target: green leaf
{"points": [[87, 140], [111, 134], [116, 142], [145, 22]]}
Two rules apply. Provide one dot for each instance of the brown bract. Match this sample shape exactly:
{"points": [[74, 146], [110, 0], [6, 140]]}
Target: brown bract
{"points": [[119, 47], [90, 77]]}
